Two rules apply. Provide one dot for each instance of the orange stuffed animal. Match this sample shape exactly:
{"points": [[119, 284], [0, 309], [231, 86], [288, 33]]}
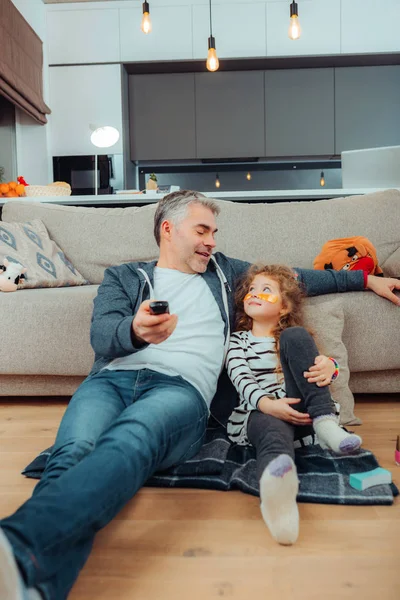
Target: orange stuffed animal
{"points": [[349, 254]]}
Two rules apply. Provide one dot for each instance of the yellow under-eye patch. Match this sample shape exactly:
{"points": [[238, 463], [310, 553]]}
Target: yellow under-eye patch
{"points": [[267, 297]]}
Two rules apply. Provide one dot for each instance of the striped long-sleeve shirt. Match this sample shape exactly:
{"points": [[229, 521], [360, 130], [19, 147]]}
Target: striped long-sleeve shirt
{"points": [[251, 365]]}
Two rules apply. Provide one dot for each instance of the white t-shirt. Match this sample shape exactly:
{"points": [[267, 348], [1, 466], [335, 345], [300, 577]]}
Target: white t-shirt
{"points": [[195, 350]]}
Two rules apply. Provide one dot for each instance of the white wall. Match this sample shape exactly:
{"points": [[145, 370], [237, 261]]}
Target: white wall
{"points": [[82, 96], [33, 140]]}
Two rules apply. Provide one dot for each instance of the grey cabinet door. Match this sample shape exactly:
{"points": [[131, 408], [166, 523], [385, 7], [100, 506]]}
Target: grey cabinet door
{"points": [[230, 114], [161, 116], [299, 107], [367, 106]]}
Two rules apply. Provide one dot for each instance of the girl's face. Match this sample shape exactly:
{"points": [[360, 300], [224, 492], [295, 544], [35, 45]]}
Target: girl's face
{"points": [[263, 302]]}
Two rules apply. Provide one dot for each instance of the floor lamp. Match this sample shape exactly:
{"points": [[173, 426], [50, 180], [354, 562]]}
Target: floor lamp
{"points": [[102, 137]]}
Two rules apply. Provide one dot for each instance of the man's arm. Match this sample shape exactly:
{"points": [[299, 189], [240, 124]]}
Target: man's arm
{"points": [[317, 282], [111, 333]]}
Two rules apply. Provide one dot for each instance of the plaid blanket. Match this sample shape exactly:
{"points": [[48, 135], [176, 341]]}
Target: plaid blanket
{"points": [[324, 477]]}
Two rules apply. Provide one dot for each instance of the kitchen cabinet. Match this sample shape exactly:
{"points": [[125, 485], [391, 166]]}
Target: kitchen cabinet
{"points": [[76, 36], [230, 114], [170, 39], [367, 107], [162, 116], [369, 26], [320, 24], [299, 112], [239, 29]]}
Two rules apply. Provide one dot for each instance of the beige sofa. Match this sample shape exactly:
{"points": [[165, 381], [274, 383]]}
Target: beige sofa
{"points": [[45, 346]]}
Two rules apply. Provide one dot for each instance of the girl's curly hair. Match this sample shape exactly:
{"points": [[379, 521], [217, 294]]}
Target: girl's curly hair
{"points": [[292, 299]]}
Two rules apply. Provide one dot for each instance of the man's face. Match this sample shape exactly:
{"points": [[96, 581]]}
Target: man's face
{"points": [[192, 240]]}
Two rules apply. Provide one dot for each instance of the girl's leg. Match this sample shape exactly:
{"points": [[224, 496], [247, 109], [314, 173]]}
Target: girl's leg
{"points": [[273, 441], [297, 354]]}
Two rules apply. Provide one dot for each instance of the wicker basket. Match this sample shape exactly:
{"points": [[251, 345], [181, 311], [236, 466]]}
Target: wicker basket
{"points": [[47, 190]]}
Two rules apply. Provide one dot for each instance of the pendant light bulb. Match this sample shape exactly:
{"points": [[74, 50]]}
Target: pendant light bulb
{"points": [[248, 176], [322, 179], [294, 27], [212, 63], [217, 182], [146, 21]]}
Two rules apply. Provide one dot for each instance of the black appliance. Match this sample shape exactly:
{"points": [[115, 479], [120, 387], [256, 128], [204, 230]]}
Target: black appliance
{"points": [[78, 171]]}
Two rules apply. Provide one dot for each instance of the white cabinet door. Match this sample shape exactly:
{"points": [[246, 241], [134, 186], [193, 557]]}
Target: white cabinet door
{"points": [[170, 39], [320, 24], [83, 36], [370, 26], [239, 29], [82, 96]]}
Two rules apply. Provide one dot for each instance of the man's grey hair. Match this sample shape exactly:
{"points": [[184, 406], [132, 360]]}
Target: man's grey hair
{"points": [[174, 207]]}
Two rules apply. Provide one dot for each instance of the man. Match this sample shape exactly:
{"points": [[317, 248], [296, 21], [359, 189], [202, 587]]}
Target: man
{"points": [[145, 405]]}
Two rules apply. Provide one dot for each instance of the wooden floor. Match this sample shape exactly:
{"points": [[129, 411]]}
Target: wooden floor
{"points": [[201, 545]]}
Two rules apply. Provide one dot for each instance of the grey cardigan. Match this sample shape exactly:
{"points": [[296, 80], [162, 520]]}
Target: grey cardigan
{"points": [[124, 288]]}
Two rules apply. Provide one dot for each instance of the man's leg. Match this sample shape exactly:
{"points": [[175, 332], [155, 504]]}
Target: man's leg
{"points": [[98, 401], [298, 352], [164, 425], [94, 406]]}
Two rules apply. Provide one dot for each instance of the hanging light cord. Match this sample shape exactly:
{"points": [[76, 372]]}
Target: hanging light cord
{"points": [[210, 21]]}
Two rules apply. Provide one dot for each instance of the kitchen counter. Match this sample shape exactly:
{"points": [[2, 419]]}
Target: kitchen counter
{"points": [[127, 199]]}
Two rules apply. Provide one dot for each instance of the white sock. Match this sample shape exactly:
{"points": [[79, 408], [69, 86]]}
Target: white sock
{"points": [[278, 491], [331, 435]]}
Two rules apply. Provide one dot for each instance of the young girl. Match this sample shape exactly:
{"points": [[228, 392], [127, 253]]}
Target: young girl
{"points": [[268, 362]]}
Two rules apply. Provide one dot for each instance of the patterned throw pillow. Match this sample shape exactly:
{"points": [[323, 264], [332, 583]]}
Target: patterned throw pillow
{"points": [[30, 245]]}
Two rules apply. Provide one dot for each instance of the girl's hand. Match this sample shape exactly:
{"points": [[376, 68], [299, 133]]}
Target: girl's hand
{"points": [[321, 372], [281, 409]]}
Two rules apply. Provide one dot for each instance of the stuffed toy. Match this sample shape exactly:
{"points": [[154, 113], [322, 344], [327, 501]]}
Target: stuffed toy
{"points": [[11, 275], [349, 254]]}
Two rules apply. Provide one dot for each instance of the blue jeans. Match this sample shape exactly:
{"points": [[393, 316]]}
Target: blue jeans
{"points": [[119, 428]]}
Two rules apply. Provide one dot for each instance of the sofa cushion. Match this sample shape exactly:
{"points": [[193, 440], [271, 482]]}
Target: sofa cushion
{"points": [[30, 245], [371, 331], [294, 232], [93, 238], [52, 327], [391, 265], [48, 331], [282, 232], [325, 318]]}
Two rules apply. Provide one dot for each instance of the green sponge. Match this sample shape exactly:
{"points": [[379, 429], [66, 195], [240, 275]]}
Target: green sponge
{"points": [[362, 481]]}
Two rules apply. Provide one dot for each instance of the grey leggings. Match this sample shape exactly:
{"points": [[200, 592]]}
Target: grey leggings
{"points": [[271, 436]]}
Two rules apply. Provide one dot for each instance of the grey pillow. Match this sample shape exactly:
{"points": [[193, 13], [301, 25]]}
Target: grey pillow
{"points": [[325, 318]]}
